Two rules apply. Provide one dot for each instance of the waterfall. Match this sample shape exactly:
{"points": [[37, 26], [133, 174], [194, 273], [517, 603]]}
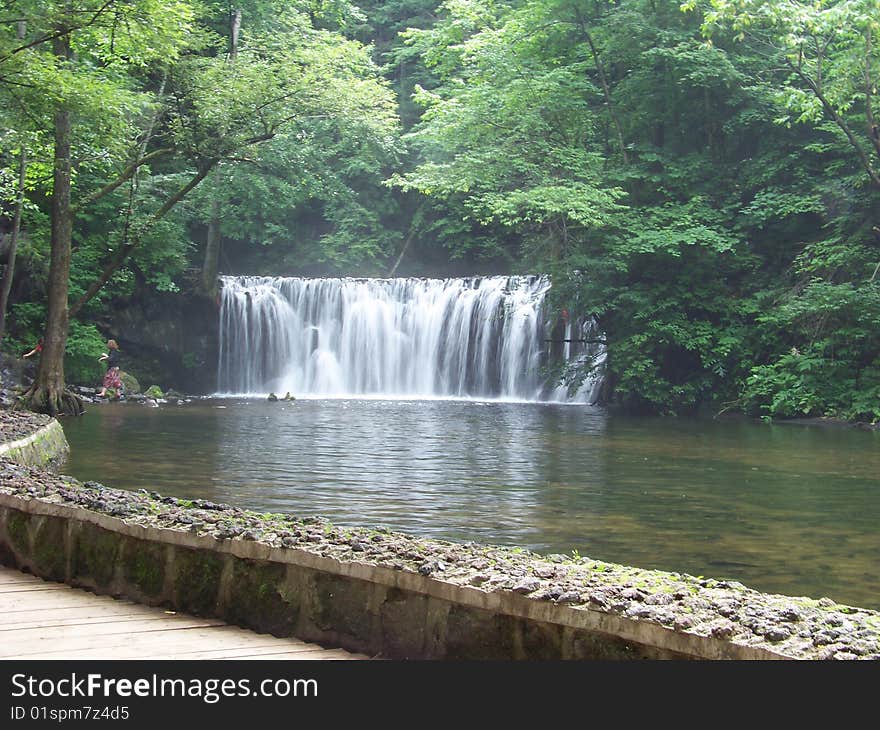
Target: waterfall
{"points": [[480, 337]]}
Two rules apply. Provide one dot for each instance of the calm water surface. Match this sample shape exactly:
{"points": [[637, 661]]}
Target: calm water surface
{"points": [[782, 508]]}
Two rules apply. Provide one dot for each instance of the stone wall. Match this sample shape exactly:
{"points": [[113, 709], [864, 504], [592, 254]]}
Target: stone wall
{"points": [[46, 447], [288, 592]]}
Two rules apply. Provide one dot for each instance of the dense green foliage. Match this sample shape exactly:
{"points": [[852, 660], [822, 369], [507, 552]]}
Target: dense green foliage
{"points": [[701, 177]]}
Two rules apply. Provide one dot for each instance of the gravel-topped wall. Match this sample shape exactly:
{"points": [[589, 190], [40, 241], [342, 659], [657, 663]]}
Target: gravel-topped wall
{"points": [[32, 439], [394, 595]]}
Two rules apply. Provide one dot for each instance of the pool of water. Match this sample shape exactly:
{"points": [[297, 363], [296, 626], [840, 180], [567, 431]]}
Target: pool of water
{"points": [[782, 508]]}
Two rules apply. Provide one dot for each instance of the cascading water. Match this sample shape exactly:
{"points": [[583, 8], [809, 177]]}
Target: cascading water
{"points": [[479, 337]]}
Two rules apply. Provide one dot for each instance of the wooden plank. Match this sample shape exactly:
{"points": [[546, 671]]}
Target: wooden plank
{"points": [[141, 646], [129, 628], [32, 588], [48, 620], [71, 596], [76, 617]]}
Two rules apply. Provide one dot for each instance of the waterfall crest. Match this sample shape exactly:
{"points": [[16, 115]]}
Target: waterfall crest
{"points": [[483, 337]]}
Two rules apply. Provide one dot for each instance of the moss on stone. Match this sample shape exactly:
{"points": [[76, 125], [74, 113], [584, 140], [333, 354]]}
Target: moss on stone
{"points": [[50, 555], [94, 554], [197, 580], [256, 598], [129, 382], [341, 605], [475, 634], [16, 528], [143, 564]]}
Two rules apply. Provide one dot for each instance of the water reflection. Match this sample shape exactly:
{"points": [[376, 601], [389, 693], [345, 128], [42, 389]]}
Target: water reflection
{"points": [[782, 508]]}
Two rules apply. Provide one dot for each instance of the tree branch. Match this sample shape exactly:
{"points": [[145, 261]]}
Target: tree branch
{"points": [[127, 173], [841, 123], [125, 249]]}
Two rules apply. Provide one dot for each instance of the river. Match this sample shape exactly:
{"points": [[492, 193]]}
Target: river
{"points": [[782, 508]]}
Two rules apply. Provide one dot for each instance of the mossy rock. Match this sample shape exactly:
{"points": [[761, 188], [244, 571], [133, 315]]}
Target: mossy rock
{"points": [[154, 391], [129, 382]]}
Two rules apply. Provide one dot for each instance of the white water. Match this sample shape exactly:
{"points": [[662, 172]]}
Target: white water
{"points": [[471, 338]]}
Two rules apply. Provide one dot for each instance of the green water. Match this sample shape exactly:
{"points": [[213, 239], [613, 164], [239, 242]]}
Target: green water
{"points": [[782, 508]]}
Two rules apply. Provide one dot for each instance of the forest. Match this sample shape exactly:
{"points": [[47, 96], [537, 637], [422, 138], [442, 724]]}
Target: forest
{"points": [[703, 177]]}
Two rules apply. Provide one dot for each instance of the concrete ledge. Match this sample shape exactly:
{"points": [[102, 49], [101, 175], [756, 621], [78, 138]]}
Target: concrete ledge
{"points": [[390, 607], [45, 447]]}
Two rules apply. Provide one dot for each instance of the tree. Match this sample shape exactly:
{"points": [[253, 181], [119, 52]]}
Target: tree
{"points": [[208, 115]]}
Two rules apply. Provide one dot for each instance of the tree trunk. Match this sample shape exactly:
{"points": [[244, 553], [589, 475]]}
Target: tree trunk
{"points": [[6, 284], [211, 266], [47, 393], [234, 28]]}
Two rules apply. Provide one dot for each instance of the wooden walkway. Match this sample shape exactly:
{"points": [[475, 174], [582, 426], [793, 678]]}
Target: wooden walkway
{"points": [[44, 620]]}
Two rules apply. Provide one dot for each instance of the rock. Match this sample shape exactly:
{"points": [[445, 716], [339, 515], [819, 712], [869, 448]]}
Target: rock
{"points": [[432, 566], [357, 546], [777, 633], [639, 611], [722, 630], [790, 613], [659, 599], [154, 391], [272, 398], [130, 383], [683, 623], [632, 594], [478, 579], [569, 597], [845, 656], [598, 598], [826, 636], [527, 585]]}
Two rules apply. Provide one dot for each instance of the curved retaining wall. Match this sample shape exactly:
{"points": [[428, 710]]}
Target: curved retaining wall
{"points": [[45, 447], [289, 592], [386, 594]]}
